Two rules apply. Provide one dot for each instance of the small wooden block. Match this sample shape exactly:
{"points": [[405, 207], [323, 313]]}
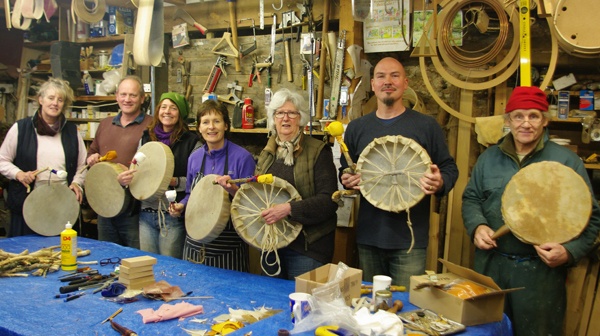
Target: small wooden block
{"points": [[138, 261]]}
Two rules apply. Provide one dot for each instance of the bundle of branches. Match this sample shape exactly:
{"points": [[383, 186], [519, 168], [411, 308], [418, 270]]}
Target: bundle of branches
{"points": [[40, 262]]}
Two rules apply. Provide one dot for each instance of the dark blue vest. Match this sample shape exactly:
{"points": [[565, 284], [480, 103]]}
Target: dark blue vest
{"points": [[26, 157]]}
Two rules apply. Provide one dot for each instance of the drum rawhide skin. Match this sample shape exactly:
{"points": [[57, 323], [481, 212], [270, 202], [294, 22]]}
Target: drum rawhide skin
{"points": [[390, 169], [207, 211], [246, 208], [154, 173], [49, 207], [102, 189], [546, 202]]}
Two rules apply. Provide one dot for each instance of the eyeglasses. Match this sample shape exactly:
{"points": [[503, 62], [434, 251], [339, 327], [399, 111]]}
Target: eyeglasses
{"points": [[290, 114], [532, 119], [110, 261]]}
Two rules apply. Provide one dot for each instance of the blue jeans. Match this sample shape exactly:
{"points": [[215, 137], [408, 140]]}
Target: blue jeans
{"points": [[292, 264], [123, 229], [169, 242], [398, 264]]}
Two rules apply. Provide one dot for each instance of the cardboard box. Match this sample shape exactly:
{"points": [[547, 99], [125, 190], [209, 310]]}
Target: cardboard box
{"points": [[349, 286], [484, 308]]}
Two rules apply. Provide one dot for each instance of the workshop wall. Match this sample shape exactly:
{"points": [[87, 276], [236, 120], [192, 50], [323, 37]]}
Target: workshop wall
{"points": [[202, 59]]}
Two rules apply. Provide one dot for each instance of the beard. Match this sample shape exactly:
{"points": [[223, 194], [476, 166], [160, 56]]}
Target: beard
{"points": [[389, 102]]}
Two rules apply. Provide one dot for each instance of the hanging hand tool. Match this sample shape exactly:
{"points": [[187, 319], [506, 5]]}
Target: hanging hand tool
{"points": [[336, 81], [244, 52], [288, 59], [215, 74], [187, 18]]}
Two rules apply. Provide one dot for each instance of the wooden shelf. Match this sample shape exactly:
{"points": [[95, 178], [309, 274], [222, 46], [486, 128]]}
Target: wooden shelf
{"points": [[95, 98], [593, 166], [568, 120]]}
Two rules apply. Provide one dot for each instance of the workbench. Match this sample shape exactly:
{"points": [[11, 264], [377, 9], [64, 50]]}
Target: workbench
{"points": [[28, 306]]}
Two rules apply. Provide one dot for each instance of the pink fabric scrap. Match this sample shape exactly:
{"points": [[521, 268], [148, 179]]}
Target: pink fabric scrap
{"points": [[168, 312]]}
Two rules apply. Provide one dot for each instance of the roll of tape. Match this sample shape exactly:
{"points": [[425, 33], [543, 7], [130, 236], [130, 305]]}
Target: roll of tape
{"points": [[16, 17], [149, 30], [595, 134], [33, 9], [89, 15]]}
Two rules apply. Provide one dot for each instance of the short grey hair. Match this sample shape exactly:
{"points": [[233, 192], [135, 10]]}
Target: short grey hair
{"points": [[281, 97], [135, 79]]}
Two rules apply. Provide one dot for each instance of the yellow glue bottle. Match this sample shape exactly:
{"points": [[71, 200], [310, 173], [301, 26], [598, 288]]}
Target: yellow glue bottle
{"points": [[68, 248]]}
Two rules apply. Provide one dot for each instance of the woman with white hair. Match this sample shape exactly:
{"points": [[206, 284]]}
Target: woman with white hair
{"points": [[45, 139], [307, 164]]}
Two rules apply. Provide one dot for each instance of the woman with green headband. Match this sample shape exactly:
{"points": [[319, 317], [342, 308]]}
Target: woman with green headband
{"points": [[159, 232]]}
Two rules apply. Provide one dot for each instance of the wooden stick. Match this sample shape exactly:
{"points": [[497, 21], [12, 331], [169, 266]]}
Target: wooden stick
{"points": [[113, 315], [36, 174], [322, 60]]}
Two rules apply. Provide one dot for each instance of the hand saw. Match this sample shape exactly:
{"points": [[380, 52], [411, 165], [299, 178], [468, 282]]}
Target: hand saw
{"points": [[336, 81]]}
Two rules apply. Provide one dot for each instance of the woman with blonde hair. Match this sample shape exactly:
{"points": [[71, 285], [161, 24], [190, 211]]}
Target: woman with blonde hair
{"points": [[45, 139]]}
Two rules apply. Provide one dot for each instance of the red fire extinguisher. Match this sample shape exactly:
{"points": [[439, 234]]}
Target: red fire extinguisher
{"points": [[247, 114]]}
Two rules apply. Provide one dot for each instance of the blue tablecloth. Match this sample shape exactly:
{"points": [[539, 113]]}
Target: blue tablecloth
{"points": [[28, 306]]}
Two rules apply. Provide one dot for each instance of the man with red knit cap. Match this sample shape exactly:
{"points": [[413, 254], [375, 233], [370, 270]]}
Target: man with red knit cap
{"points": [[542, 270]]}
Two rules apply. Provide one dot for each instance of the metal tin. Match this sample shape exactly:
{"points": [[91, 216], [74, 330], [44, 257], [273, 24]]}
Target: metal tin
{"points": [[383, 299]]}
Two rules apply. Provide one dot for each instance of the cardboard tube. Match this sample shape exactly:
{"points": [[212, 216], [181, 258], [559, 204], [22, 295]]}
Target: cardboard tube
{"points": [[149, 39]]}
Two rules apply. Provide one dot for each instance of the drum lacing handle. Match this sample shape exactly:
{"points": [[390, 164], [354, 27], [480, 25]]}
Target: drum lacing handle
{"points": [[269, 246], [162, 222]]}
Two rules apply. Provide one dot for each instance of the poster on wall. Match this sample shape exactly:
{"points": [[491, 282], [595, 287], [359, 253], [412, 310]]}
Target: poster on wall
{"points": [[388, 28]]}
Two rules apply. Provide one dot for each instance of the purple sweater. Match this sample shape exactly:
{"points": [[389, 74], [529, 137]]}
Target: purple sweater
{"points": [[240, 164]]}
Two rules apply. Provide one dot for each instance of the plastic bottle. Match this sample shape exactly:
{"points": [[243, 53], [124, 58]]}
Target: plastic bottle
{"points": [[88, 83], [68, 248], [248, 114]]}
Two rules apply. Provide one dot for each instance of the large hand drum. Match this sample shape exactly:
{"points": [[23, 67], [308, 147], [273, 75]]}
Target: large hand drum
{"points": [[390, 169], [207, 211], [154, 173], [250, 200], [546, 202], [103, 191], [49, 207]]}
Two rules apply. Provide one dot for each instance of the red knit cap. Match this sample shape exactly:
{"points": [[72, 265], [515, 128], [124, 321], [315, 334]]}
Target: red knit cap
{"points": [[527, 98]]}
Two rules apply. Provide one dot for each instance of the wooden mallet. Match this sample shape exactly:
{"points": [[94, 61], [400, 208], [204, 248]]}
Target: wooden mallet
{"points": [[110, 155]]}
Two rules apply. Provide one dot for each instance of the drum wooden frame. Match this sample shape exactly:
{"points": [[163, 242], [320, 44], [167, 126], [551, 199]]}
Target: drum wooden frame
{"points": [[102, 189], [154, 174], [546, 202], [390, 169], [49, 207], [246, 208], [207, 211]]}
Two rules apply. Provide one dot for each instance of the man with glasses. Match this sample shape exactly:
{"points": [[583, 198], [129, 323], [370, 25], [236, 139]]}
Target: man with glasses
{"points": [[122, 134], [384, 237], [539, 308]]}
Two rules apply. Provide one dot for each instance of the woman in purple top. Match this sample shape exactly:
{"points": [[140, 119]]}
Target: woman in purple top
{"points": [[230, 161]]}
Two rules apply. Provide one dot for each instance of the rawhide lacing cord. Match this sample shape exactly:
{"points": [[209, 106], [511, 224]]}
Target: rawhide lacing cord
{"points": [[162, 222]]}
